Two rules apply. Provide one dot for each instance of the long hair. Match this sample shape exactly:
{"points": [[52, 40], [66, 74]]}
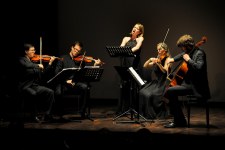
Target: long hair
{"points": [[165, 47]]}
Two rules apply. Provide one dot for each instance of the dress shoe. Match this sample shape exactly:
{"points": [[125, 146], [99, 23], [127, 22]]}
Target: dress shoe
{"points": [[170, 125], [82, 115], [173, 125], [49, 118], [37, 120]]}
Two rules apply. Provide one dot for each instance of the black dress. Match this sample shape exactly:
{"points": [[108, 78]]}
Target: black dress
{"points": [[124, 102], [151, 102], [132, 61]]}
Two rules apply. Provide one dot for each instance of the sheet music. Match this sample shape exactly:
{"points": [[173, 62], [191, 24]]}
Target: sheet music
{"points": [[61, 72], [136, 76], [115, 51], [92, 67]]}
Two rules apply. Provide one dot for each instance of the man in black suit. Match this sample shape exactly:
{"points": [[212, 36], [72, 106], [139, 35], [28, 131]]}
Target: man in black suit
{"points": [[194, 82], [73, 59], [29, 82]]}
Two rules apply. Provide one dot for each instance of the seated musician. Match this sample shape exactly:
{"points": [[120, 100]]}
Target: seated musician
{"points": [[194, 82], [151, 104], [73, 59], [29, 83]]}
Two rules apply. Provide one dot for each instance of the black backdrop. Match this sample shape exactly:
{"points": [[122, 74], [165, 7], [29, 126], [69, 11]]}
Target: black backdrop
{"points": [[101, 23]]}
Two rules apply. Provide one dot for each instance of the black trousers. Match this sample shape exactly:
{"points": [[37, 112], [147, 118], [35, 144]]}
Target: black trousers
{"points": [[79, 88], [43, 97], [175, 106]]}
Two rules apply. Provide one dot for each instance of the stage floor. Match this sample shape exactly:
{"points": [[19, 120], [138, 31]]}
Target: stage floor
{"points": [[102, 128]]}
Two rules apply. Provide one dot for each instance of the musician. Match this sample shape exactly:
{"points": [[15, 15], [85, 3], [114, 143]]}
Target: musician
{"points": [[151, 102], [134, 41], [195, 80], [69, 86], [29, 85]]}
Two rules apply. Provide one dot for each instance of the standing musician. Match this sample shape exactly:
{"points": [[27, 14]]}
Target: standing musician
{"points": [[194, 82], [73, 60], [134, 41]]}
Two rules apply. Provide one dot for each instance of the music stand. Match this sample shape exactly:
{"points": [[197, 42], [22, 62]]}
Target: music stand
{"points": [[129, 74], [89, 74], [115, 51], [63, 75]]}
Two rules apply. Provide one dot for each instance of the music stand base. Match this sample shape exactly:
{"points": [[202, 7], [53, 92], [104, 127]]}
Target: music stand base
{"points": [[133, 119]]}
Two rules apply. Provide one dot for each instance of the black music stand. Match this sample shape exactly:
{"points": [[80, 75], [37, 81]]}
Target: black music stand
{"points": [[124, 51], [63, 75], [129, 74], [89, 74]]}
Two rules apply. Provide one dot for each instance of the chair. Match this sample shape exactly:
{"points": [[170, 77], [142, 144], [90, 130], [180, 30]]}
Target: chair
{"points": [[193, 100], [71, 103]]}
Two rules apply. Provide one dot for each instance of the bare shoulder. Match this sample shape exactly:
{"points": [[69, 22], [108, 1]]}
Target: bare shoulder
{"points": [[126, 38], [140, 39]]}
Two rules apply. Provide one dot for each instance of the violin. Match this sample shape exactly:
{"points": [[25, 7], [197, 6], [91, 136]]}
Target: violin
{"points": [[87, 59], [44, 58]]}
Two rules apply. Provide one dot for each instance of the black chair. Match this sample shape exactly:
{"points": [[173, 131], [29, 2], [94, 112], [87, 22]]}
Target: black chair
{"points": [[71, 103], [192, 100]]}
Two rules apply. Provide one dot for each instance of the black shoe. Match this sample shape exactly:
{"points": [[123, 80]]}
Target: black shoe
{"points": [[174, 125], [37, 120], [170, 125], [82, 115], [48, 118]]}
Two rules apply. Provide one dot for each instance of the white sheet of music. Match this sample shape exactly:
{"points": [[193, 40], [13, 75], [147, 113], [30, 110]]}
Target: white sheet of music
{"points": [[92, 67], [136, 76]]}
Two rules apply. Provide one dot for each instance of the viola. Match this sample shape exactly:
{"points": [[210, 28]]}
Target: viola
{"points": [[44, 58], [86, 59]]}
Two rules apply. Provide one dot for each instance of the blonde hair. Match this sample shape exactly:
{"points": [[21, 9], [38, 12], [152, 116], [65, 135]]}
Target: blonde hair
{"points": [[165, 47], [141, 28]]}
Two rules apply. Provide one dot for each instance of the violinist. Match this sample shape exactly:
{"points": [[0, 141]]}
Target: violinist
{"points": [[151, 102], [194, 82], [29, 83], [72, 60]]}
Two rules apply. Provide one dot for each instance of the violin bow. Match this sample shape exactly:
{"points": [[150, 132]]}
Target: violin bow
{"points": [[166, 34], [40, 50], [82, 59], [160, 65]]}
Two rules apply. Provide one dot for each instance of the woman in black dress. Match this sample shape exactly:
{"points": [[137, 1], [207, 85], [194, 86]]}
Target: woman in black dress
{"points": [[151, 101], [134, 41]]}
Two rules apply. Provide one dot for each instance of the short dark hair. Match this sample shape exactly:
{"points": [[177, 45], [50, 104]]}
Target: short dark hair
{"points": [[27, 46], [78, 43]]}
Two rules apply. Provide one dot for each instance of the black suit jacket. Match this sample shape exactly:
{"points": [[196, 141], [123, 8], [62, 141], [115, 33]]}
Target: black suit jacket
{"points": [[197, 75], [28, 73]]}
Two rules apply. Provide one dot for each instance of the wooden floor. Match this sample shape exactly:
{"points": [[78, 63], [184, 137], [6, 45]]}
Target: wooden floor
{"points": [[104, 128]]}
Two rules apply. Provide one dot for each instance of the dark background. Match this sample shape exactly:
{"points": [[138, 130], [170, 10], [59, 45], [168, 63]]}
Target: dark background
{"points": [[101, 23]]}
